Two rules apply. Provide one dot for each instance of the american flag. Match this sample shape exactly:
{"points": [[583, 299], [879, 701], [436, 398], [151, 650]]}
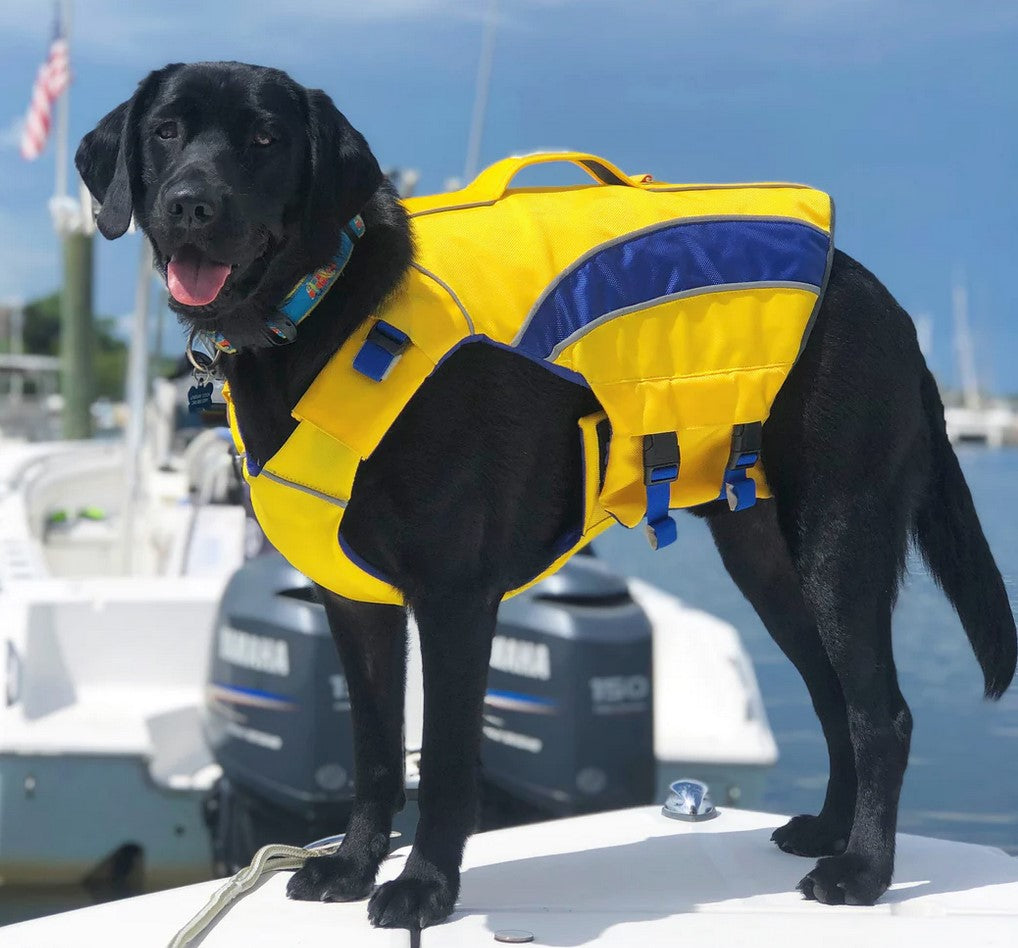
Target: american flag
{"points": [[53, 78]]}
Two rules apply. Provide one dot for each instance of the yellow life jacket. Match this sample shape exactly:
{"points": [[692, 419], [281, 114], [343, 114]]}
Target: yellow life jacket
{"points": [[682, 307]]}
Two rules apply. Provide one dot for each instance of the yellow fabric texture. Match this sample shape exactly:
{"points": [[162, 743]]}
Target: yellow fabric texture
{"points": [[485, 255]]}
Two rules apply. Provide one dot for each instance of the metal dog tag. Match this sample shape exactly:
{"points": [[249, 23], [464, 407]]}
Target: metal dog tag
{"points": [[199, 397]]}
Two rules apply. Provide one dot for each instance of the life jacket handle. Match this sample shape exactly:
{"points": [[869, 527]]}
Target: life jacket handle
{"points": [[492, 183]]}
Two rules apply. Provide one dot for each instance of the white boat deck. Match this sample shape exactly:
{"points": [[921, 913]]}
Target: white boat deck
{"points": [[620, 879]]}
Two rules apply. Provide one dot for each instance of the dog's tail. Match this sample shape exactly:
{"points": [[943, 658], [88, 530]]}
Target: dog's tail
{"points": [[949, 535]]}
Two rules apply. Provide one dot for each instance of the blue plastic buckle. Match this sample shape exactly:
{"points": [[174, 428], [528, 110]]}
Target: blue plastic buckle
{"points": [[381, 351], [739, 487], [660, 470]]}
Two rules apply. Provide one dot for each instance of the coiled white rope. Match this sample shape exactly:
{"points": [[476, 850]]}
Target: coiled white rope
{"points": [[268, 859]]}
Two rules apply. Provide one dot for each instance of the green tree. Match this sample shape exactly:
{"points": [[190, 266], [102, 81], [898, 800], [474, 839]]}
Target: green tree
{"points": [[42, 336], [42, 325]]}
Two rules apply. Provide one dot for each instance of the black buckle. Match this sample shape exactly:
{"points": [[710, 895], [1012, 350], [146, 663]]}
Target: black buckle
{"points": [[660, 458], [388, 338], [381, 350], [280, 330], [747, 440]]}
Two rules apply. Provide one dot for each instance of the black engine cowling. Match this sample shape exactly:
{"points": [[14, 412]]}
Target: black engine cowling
{"points": [[568, 724]]}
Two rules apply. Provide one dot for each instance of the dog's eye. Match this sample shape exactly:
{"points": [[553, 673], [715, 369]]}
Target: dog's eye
{"points": [[262, 138], [167, 130]]}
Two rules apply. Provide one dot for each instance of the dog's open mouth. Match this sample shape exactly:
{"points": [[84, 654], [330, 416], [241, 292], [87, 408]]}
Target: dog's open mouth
{"points": [[193, 279]]}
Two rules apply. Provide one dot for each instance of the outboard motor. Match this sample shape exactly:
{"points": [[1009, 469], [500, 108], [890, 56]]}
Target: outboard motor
{"points": [[568, 725], [568, 716], [277, 716]]}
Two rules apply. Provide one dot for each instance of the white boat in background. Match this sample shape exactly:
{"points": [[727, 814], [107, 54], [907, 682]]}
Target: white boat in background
{"points": [[112, 565], [631, 877], [991, 425], [709, 716], [101, 702], [104, 645], [977, 420], [105, 648]]}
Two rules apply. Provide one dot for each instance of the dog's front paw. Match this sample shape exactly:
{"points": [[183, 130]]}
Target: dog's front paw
{"points": [[849, 879], [332, 879], [811, 836], [421, 896]]}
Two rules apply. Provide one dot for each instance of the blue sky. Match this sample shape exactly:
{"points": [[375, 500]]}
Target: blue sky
{"points": [[906, 111]]}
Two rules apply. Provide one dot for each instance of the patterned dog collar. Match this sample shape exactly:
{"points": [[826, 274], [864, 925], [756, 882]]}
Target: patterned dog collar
{"points": [[309, 291]]}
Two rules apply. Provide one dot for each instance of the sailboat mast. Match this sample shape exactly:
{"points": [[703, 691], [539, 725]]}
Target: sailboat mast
{"points": [[963, 345], [481, 87]]}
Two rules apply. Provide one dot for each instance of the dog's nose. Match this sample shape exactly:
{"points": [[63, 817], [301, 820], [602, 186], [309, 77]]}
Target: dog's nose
{"points": [[191, 205]]}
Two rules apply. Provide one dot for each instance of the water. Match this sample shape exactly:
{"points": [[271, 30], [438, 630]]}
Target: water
{"points": [[962, 779]]}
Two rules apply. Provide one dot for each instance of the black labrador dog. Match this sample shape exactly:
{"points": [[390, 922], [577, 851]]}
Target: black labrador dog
{"points": [[245, 177]]}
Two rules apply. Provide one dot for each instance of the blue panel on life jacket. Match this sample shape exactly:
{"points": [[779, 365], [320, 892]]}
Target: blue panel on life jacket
{"points": [[674, 258]]}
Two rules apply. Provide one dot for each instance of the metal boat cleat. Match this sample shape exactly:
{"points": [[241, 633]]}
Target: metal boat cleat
{"points": [[689, 800]]}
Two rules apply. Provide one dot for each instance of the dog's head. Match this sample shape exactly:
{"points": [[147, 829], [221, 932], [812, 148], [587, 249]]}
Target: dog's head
{"points": [[240, 177]]}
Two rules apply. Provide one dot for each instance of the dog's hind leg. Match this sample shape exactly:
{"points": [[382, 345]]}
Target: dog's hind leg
{"points": [[847, 457], [849, 562], [456, 632], [371, 641], [756, 556]]}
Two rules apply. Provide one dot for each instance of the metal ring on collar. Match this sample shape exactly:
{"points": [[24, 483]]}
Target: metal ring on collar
{"points": [[214, 357]]}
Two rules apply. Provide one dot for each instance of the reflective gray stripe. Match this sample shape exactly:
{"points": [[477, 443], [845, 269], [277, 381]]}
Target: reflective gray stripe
{"points": [[735, 186], [823, 288], [649, 229], [328, 498], [684, 294], [448, 289], [650, 189], [454, 207]]}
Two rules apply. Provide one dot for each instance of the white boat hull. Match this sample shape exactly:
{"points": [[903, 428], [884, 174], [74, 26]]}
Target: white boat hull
{"points": [[63, 816], [100, 744], [620, 879]]}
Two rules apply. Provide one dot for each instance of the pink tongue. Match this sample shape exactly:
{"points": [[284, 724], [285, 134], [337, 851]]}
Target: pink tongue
{"points": [[193, 280]]}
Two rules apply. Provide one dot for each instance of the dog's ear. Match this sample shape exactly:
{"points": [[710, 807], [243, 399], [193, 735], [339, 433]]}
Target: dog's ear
{"points": [[96, 157], [107, 158], [344, 173]]}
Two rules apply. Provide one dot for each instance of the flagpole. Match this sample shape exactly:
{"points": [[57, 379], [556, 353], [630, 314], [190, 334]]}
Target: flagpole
{"points": [[63, 115], [76, 336]]}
